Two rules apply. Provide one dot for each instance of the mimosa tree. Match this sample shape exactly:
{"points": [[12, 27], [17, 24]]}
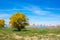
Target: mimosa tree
{"points": [[18, 21], [2, 23]]}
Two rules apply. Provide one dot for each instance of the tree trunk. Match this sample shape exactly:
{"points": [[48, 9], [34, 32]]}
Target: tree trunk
{"points": [[19, 29], [22, 27]]}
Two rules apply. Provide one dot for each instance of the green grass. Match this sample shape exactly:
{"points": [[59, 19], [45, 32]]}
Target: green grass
{"points": [[7, 33]]}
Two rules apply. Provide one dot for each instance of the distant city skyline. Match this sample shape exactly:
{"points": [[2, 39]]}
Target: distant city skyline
{"points": [[38, 11]]}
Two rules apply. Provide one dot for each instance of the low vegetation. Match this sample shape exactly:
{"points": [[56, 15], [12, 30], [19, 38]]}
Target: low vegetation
{"points": [[8, 34]]}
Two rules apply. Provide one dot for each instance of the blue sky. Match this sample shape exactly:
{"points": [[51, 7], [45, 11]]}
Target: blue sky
{"points": [[38, 11]]}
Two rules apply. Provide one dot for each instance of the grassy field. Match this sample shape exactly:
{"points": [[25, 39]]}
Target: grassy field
{"points": [[30, 34]]}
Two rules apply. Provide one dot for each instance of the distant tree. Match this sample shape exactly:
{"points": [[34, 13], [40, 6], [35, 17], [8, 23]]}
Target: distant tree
{"points": [[2, 23], [18, 21]]}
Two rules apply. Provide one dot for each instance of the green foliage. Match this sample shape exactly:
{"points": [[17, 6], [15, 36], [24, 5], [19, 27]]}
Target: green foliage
{"points": [[18, 21]]}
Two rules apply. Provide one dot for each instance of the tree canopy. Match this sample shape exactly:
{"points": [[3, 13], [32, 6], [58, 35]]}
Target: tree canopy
{"points": [[2, 23], [18, 20]]}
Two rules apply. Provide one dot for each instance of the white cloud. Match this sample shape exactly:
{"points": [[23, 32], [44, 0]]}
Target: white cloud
{"points": [[4, 15], [53, 8], [55, 15], [36, 10]]}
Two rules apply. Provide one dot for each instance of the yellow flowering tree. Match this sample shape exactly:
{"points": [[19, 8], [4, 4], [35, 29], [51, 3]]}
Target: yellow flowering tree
{"points": [[2, 23], [18, 21]]}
